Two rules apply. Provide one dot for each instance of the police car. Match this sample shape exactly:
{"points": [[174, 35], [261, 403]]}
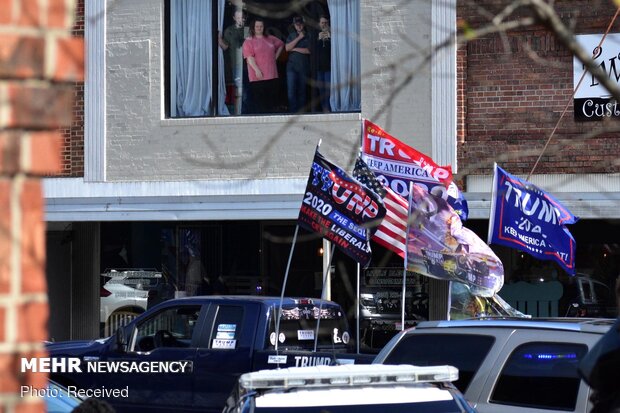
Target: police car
{"points": [[349, 388]]}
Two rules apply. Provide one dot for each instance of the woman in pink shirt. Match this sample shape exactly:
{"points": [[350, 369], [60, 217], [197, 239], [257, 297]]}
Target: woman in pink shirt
{"points": [[261, 52]]}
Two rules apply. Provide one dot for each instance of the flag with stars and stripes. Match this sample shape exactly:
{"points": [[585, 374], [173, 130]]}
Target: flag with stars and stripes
{"points": [[340, 209], [392, 230], [529, 219]]}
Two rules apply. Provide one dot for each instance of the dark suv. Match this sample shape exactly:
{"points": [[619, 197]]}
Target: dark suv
{"points": [[588, 297]]}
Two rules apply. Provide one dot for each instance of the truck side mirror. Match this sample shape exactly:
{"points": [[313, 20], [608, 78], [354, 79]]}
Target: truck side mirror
{"points": [[121, 340]]}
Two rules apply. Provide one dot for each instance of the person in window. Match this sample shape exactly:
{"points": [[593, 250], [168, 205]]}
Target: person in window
{"points": [[261, 52], [232, 42], [298, 66], [324, 62]]}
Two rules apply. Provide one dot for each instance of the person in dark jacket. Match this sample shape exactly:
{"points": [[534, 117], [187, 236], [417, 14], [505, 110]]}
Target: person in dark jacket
{"points": [[298, 66], [600, 368]]}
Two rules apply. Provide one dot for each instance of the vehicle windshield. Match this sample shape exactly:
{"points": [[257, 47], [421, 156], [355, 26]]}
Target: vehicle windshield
{"points": [[298, 327], [465, 352]]}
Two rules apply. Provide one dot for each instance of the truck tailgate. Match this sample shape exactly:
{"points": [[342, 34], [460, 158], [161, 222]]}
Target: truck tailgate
{"points": [[269, 359]]}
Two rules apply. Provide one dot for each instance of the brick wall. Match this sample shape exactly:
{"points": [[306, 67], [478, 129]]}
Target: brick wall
{"points": [[514, 90], [73, 133], [39, 64]]}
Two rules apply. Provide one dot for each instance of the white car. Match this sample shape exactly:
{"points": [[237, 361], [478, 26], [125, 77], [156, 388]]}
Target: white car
{"points": [[120, 304], [349, 388]]}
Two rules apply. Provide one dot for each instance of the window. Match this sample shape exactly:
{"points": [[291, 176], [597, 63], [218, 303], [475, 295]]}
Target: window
{"points": [[226, 332], [298, 327], [541, 375], [225, 42], [465, 352], [172, 327]]}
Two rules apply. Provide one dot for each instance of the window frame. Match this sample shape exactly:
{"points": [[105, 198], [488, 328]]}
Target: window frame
{"points": [[137, 327], [489, 340], [313, 101]]}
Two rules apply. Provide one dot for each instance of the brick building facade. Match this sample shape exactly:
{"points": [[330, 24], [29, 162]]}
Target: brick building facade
{"points": [[513, 90], [138, 171], [39, 62]]}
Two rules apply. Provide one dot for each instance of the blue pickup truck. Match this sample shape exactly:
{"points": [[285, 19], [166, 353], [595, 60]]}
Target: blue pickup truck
{"points": [[186, 354]]}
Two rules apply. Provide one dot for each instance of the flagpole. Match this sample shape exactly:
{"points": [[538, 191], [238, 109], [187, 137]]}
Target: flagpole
{"points": [[325, 272], [402, 318], [288, 266], [402, 327], [359, 267], [493, 205], [357, 309]]}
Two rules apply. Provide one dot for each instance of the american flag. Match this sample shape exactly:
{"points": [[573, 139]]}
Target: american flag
{"points": [[392, 231]]}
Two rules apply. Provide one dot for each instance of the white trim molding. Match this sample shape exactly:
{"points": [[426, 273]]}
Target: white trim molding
{"points": [[94, 91], [74, 199], [443, 89], [587, 196]]}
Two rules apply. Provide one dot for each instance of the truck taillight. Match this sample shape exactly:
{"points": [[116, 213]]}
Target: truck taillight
{"points": [[104, 293], [305, 301]]}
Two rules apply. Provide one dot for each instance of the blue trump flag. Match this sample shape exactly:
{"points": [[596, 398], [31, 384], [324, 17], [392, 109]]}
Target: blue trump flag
{"points": [[529, 219], [340, 209]]}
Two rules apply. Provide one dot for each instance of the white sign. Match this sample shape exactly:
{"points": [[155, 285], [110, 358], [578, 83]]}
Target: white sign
{"points": [[227, 327], [226, 335], [606, 58], [276, 360], [305, 335], [225, 344]]}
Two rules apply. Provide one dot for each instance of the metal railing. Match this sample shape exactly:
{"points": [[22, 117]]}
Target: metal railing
{"points": [[116, 320]]}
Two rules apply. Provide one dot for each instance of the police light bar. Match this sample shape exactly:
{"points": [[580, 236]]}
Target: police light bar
{"points": [[347, 375]]}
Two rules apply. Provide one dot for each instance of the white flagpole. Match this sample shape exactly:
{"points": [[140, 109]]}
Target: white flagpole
{"points": [[288, 266], [493, 205], [327, 259], [402, 327], [402, 318], [325, 272]]}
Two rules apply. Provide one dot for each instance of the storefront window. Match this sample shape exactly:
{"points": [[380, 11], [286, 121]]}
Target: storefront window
{"points": [[262, 57]]}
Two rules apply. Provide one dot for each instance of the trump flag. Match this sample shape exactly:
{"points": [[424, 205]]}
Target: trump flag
{"points": [[340, 209], [529, 219], [397, 164]]}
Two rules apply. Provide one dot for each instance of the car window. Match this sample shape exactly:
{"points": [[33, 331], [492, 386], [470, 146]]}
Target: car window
{"points": [[227, 327], [298, 327], [541, 375], [463, 351], [172, 327], [602, 294]]}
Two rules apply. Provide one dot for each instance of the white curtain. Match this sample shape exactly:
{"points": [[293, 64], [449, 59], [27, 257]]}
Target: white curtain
{"points": [[345, 93], [192, 59]]}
